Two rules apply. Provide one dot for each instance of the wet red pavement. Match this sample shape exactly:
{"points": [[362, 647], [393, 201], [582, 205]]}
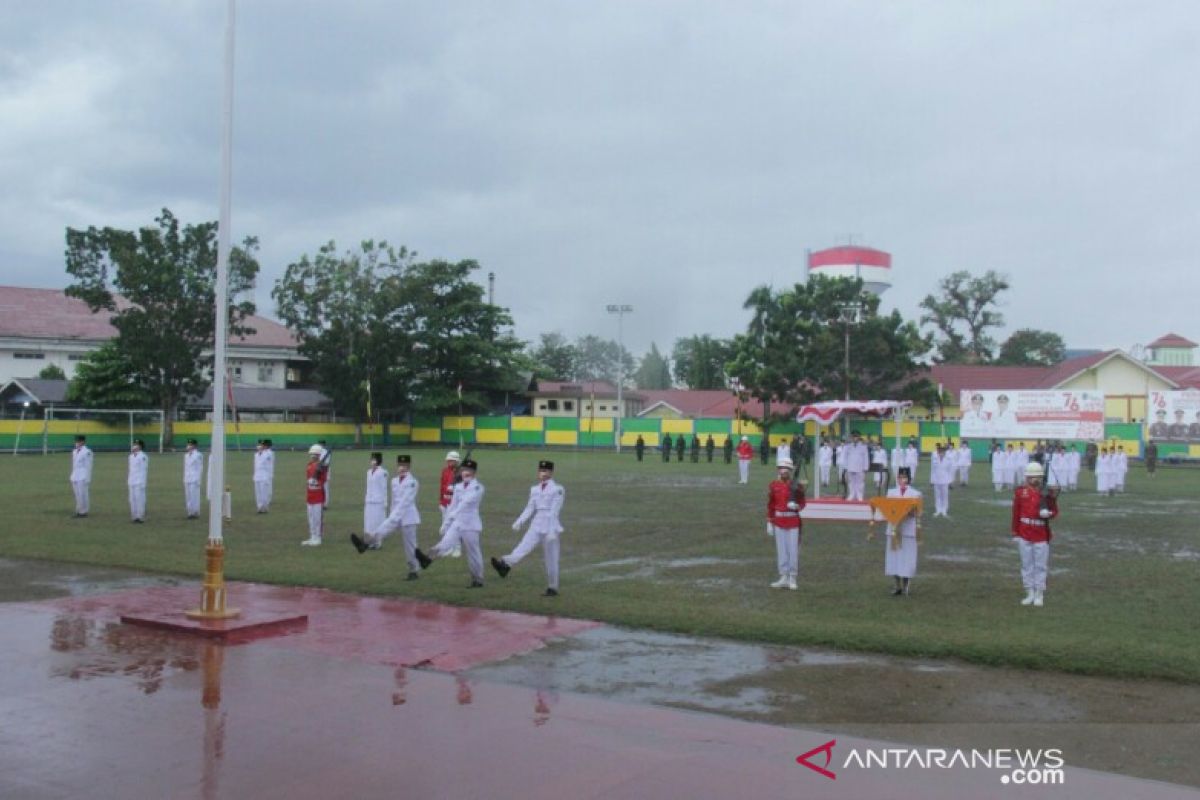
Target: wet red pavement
{"points": [[93, 708]]}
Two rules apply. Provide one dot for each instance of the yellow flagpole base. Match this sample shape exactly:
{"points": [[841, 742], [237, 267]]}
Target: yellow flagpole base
{"points": [[212, 595]]}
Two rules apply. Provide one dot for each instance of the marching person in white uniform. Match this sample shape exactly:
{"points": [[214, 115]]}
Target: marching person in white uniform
{"points": [[857, 460], [193, 473], [139, 465], [462, 524], [403, 516], [941, 473], [375, 499], [900, 558], [264, 475], [81, 475], [964, 462], [545, 504]]}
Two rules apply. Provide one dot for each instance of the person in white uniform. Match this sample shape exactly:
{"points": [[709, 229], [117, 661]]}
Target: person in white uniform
{"points": [[783, 452], [264, 476], [1103, 474], [912, 459], [193, 473], [139, 466], [964, 462], [1000, 473], [900, 555], [1074, 461], [1018, 463], [897, 460], [941, 473], [857, 461], [879, 460], [81, 475], [376, 496], [825, 461], [462, 524], [1120, 468], [403, 516], [544, 506]]}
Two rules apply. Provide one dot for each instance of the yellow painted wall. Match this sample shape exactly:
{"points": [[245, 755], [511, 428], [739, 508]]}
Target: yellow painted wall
{"points": [[677, 426], [602, 426], [427, 434], [630, 439], [562, 437], [745, 428], [527, 423], [458, 423], [491, 436]]}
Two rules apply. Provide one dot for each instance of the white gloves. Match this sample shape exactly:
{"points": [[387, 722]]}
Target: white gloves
{"points": [[792, 506], [516, 526], [770, 529], [1044, 513]]}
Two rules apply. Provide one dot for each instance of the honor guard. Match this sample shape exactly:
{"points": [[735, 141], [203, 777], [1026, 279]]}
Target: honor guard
{"points": [[1031, 515], [542, 512], [139, 466], [81, 475], [784, 503], [264, 475], [449, 477], [375, 499], [745, 453], [402, 516], [315, 476], [461, 523], [193, 471]]}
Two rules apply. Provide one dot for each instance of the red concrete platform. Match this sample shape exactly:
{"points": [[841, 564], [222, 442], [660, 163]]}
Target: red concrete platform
{"points": [[835, 509], [248, 625]]}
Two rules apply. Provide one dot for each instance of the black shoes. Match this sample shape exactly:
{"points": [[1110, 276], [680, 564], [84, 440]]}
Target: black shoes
{"points": [[475, 584], [550, 593], [897, 592], [358, 543], [412, 576], [423, 559], [502, 568]]}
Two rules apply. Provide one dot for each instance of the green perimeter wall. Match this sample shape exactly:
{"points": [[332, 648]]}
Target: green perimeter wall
{"points": [[505, 431]]}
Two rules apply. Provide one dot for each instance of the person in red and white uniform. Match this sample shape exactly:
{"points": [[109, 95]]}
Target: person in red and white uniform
{"points": [[783, 522], [745, 452], [315, 476], [1031, 528], [450, 477]]}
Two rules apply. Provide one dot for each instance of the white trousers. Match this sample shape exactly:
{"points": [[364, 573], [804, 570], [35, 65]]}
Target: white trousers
{"points": [[787, 551], [137, 501], [316, 521], [262, 494], [825, 474], [941, 498], [879, 478], [390, 525], [469, 541], [550, 550], [743, 470], [81, 495], [191, 498], [998, 479], [963, 474], [856, 481], [1035, 562]]}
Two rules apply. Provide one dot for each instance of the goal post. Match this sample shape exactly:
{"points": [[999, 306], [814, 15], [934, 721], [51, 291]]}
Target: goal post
{"points": [[105, 428]]}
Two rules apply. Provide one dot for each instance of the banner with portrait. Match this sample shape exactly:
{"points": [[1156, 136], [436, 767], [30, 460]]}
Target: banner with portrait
{"points": [[1049, 415], [1173, 416]]}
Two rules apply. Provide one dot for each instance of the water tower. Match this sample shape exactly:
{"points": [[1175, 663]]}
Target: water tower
{"points": [[851, 261]]}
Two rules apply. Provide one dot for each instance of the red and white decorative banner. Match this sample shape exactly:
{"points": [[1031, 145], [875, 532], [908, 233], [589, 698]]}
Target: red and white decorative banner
{"points": [[827, 413], [993, 414], [1173, 416]]}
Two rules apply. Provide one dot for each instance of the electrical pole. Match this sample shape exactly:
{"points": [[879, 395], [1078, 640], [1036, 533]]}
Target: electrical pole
{"points": [[620, 311]]}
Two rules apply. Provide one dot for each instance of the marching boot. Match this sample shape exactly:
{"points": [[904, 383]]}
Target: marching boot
{"points": [[791, 582], [1030, 595], [1037, 599], [781, 583]]}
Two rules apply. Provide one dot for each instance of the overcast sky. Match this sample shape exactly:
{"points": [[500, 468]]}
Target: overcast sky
{"points": [[669, 155]]}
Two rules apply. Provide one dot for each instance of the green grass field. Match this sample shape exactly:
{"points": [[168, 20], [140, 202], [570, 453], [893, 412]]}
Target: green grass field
{"points": [[682, 547]]}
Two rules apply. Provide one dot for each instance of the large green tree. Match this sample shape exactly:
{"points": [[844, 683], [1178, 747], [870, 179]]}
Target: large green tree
{"points": [[793, 350], [599, 359], [963, 312], [553, 358], [1029, 347], [107, 379], [653, 372], [700, 362], [379, 325], [159, 284]]}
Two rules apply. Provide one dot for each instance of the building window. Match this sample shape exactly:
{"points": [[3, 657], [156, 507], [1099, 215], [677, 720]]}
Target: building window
{"points": [[552, 405], [30, 356], [237, 372], [77, 357], [568, 405], [266, 374], [541, 406], [603, 407]]}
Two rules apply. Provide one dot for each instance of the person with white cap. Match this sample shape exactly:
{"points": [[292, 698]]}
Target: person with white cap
{"points": [[449, 478], [461, 523], [315, 477], [1031, 515], [745, 452], [784, 503], [545, 504]]}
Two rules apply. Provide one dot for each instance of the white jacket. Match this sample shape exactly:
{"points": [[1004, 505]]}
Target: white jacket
{"points": [[81, 464], [545, 503], [463, 510], [377, 486], [264, 465], [404, 500], [139, 464], [193, 466]]}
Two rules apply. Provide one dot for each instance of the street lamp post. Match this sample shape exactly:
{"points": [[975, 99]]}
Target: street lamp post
{"points": [[850, 314], [20, 425], [620, 311]]}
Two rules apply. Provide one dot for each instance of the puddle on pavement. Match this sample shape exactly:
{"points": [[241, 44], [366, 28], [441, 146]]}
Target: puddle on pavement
{"points": [[22, 580]]}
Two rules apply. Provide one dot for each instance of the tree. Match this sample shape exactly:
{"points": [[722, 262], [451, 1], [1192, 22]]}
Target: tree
{"points": [[554, 358], [962, 313], [376, 323], [160, 285], [52, 372], [792, 352], [700, 362], [653, 372], [1029, 347], [107, 379], [599, 359]]}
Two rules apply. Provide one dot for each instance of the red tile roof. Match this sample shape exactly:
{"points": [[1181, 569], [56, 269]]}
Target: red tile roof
{"points": [[1172, 340], [956, 377], [1186, 377], [50, 314]]}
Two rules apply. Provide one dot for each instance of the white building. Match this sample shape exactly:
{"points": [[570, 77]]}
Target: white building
{"points": [[40, 327]]}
